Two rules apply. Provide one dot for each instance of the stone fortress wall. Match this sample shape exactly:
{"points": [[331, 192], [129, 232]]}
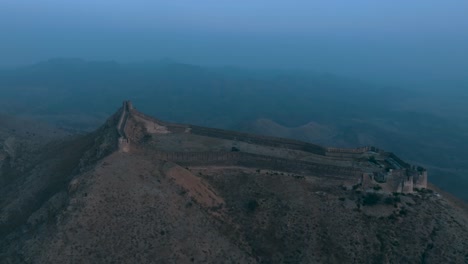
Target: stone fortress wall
{"points": [[260, 162], [398, 161], [402, 177], [260, 140], [420, 180], [396, 180], [171, 127], [124, 142], [407, 185], [350, 153], [353, 150]]}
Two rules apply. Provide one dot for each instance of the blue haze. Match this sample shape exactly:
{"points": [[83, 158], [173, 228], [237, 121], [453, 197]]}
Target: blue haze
{"points": [[408, 43]]}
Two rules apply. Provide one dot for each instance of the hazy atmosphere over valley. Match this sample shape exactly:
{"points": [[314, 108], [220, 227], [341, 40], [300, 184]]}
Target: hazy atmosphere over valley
{"points": [[419, 43], [343, 74]]}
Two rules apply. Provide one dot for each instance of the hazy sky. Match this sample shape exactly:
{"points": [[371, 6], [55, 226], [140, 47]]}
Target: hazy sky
{"points": [[388, 39]]}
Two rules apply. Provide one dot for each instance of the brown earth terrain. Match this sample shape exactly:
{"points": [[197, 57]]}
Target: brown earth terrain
{"points": [[140, 190]]}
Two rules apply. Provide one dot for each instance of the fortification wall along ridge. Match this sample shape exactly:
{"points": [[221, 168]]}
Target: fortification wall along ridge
{"points": [[351, 153], [400, 176], [173, 128], [253, 139], [124, 143], [236, 136], [360, 150], [258, 161], [398, 160], [260, 140]]}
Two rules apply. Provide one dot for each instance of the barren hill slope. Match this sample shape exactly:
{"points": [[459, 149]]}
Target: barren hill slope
{"points": [[140, 190]]}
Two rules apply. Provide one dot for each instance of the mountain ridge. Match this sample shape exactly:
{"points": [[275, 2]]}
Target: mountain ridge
{"points": [[189, 194]]}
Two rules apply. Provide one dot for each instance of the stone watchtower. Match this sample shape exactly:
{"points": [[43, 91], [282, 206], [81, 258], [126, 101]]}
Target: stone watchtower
{"points": [[421, 180]]}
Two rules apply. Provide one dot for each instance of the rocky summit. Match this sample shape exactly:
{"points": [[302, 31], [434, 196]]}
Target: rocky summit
{"points": [[141, 190]]}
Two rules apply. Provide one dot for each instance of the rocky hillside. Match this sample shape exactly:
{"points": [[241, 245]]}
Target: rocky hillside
{"points": [[83, 201], [37, 165]]}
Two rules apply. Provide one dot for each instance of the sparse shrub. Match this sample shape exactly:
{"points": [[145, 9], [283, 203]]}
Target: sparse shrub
{"points": [[392, 200], [423, 190], [341, 198], [373, 160], [234, 149], [252, 205], [403, 211], [392, 217], [389, 200], [371, 199], [217, 207], [147, 138], [377, 187]]}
